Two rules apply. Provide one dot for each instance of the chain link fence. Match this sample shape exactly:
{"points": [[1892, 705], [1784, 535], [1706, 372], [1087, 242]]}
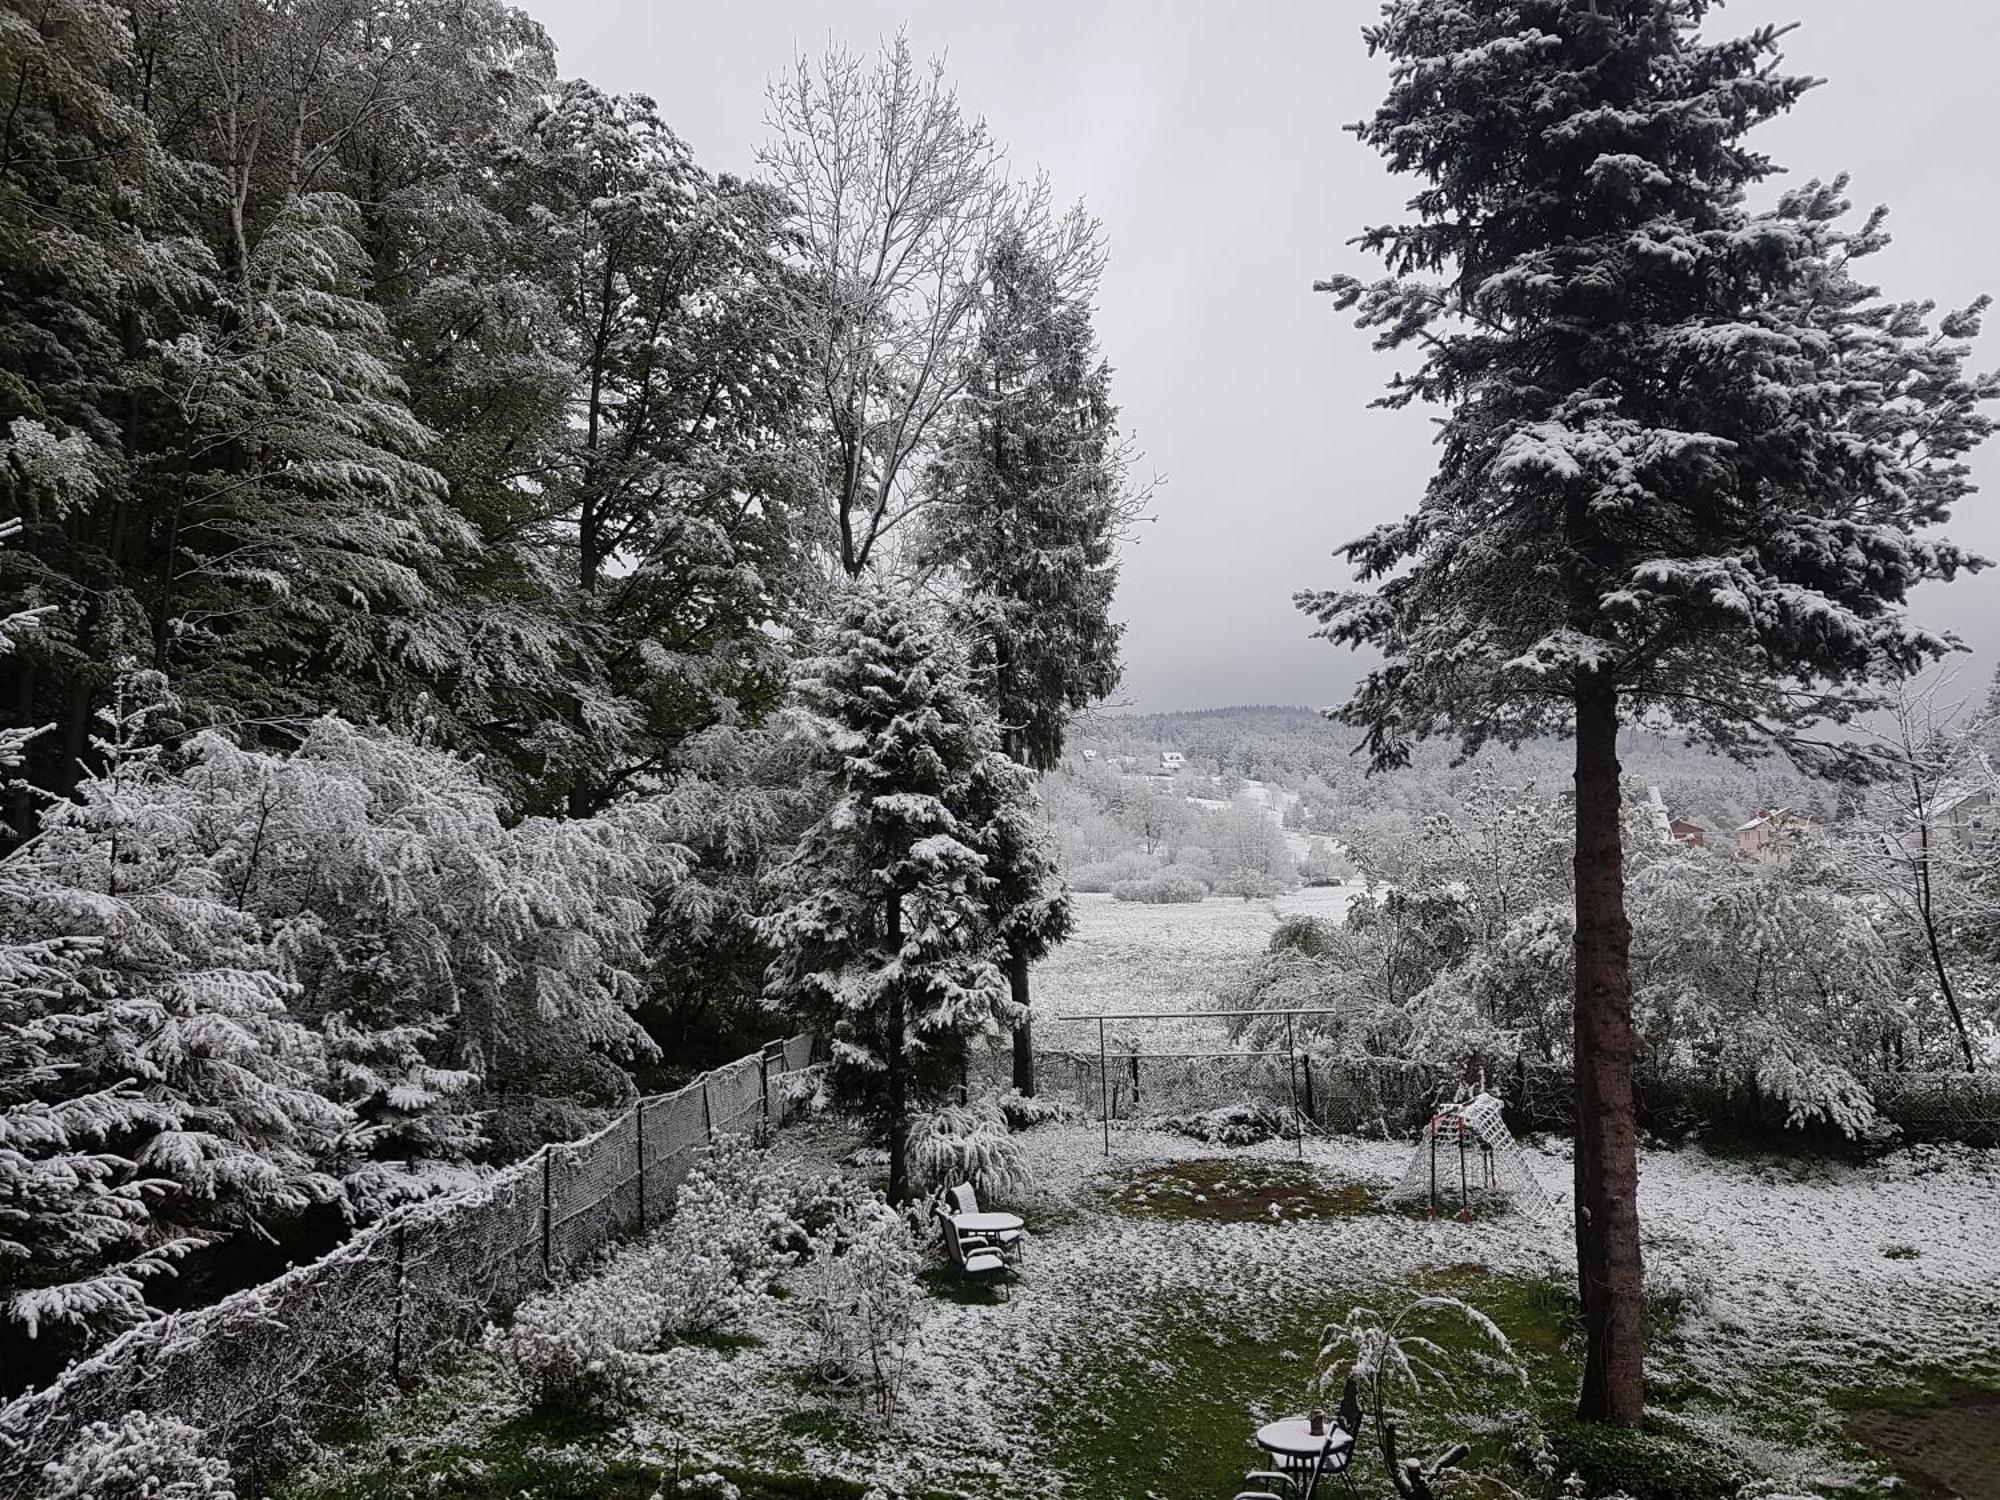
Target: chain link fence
{"points": [[1393, 1096], [262, 1371]]}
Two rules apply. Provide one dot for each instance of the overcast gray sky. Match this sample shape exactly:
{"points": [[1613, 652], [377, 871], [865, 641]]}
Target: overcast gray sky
{"points": [[1207, 137]]}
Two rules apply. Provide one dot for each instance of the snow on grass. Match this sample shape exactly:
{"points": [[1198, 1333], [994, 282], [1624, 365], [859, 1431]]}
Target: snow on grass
{"points": [[1129, 957], [1141, 1346]]}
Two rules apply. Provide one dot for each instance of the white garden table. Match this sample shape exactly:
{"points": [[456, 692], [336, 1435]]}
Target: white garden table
{"points": [[1293, 1443]]}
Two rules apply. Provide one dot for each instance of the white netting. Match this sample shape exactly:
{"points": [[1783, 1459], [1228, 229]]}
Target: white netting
{"points": [[263, 1370], [1467, 1156]]}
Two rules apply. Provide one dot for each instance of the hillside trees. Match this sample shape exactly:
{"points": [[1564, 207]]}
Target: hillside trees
{"points": [[1686, 463]]}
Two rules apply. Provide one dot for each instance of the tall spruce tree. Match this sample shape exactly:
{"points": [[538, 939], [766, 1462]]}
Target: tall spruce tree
{"points": [[1030, 498], [1685, 466], [886, 940]]}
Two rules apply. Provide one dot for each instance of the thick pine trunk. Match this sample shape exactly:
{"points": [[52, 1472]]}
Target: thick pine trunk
{"points": [[896, 1081], [1607, 1157], [1024, 1028]]}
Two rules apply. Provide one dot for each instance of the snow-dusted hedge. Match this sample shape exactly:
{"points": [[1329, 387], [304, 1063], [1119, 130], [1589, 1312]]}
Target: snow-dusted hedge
{"points": [[1170, 886]]}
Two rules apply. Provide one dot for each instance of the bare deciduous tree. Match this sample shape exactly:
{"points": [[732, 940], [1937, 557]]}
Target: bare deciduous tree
{"points": [[896, 194], [1929, 831]]}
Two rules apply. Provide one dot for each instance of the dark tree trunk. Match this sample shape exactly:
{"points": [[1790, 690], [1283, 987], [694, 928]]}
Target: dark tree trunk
{"points": [[1024, 1029], [1607, 1156], [898, 1101]]}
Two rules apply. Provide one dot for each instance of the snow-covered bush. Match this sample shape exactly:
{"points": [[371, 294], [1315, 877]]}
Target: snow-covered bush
{"points": [[1242, 1124], [970, 1143], [863, 1302], [1171, 886], [583, 1347], [739, 1219], [138, 1457], [1026, 1111], [1102, 875], [1248, 884]]}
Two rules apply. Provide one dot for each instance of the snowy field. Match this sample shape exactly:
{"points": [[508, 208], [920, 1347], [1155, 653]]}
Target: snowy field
{"points": [[1127, 956], [1166, 1309]]}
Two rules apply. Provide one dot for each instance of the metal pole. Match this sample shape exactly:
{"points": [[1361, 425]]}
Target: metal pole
{"points": [[547, 1216], [639, 1132], [1103, 1086], [707, 1119], [1464, 1197], [1434, 1166], [1292, 1074]]}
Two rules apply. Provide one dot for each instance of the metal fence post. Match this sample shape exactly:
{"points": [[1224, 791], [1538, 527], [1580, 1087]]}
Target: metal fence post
{"points": [[707, 1116], [639, 1136], [548, 1217], [764, 1086]]}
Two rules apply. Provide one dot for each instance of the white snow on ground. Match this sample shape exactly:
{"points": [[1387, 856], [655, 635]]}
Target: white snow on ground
{"points": [[1785, 1269], [1128, 956]]}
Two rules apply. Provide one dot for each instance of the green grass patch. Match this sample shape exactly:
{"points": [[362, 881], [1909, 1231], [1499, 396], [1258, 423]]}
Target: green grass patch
{"points": [[1167, 1406], [1237, 1190], [1658, 1461], [949, 1284]]}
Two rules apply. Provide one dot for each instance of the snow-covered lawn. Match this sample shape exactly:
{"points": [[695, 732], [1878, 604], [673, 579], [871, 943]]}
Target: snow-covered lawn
{"points": [[1165, 1311]]}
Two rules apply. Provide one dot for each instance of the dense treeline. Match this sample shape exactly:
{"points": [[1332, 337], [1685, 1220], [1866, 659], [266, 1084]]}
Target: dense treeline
{"points": [[423, 484]]}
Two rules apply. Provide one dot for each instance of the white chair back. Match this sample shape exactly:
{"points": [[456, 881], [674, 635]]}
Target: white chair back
{"points": [[963, 1199]]}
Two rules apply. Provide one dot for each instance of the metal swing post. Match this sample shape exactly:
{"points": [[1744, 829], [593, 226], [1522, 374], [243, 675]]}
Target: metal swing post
{"points": [[1292, 1074], [1103, 1085]]}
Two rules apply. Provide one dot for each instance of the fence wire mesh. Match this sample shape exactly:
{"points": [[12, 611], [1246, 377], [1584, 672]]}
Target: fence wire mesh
{"points": [[262, 1371], [1394, 1096]]}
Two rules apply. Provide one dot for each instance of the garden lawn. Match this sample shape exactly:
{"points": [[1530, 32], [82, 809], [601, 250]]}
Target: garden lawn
{"points": [[1175, 1296]]}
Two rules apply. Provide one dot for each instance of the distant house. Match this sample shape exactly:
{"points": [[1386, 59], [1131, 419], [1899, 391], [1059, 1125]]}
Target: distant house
{"points": [[1681, 831], [1770, 833], [1673, 830], [1967, 814], [1172, 761]]}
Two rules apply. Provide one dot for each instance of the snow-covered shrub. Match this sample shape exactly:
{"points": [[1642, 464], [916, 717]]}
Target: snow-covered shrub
{"points": [[139, 1457], [583, 1347], [739, 1219], [1248, 884], [1170, 887], [862, 1299], [970, 1143], [1382, 1353], [1102, 875], [1242, 1124], [1026, 1111]]}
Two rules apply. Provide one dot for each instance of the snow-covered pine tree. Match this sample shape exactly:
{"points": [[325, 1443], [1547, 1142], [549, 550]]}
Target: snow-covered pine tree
{"points": [[1029, 500], [886, 941], [439, 947], [1684, 467], [159, 1092]]}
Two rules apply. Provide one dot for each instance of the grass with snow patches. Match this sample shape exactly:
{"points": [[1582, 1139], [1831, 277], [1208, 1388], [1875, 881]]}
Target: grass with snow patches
{"points": [[1169, 1410], [1149, 1333], [1228, 1190]]}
